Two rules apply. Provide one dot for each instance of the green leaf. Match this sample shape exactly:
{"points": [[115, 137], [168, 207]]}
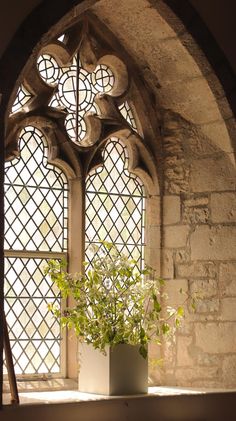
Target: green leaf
{"points": [[161, 281], [180, 311], [165, 328], [143, 351], [177, 322], [157, 306]]}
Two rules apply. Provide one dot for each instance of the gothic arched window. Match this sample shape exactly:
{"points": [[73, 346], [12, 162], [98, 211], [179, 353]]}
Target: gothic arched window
{"points": [[36, 194], [82, 158]]}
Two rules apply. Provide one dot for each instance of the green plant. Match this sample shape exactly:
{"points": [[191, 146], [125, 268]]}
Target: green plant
{"points": [[114, 302]]}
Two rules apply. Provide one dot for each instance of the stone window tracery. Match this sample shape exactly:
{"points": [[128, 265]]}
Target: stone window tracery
{"points": [[80, 108], [22, 97]]}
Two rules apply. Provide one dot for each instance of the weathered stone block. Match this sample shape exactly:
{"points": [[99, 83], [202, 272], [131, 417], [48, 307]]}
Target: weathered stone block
{"points": [[213, 243], [172, 288], [153, 210], [171, 209], [182, 256], [195, 215], [183, 355], [205, 288], [196, 201], [228, 309], [227, 278], [223, 207], [211, 174], [153, 236], [208, 359], [229, 371], [212, 305], [176, 236], [213, 384], [152, 258], [197, 270], [168, 264], [215, 337], [188, 375]]}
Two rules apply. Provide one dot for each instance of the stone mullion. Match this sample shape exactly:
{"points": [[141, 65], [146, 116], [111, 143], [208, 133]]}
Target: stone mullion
{"points": [[76, 258]]}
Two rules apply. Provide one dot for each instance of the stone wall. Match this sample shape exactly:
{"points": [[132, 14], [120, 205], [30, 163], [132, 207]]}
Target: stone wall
{"points": [[197, 244], [199, 254]]}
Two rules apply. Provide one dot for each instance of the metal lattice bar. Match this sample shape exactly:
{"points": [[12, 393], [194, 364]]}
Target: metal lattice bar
{"points": [[35, 230], [76, 92], [115, 204]]}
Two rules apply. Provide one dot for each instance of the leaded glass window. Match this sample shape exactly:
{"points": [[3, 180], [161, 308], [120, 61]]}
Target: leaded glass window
{"points": [[22, 97], [35, 229], [115, 204], [76, 91], [88, 90]]}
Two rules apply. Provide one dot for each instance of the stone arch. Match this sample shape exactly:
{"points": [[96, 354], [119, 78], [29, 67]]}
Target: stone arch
{"points": [[192, 215]]}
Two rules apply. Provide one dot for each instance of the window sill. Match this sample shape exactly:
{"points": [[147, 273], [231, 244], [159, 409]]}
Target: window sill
{"points": [[38, 385], [46, 396]]}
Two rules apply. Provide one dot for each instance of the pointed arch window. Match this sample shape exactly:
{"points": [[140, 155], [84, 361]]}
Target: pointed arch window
{"points": [[80, 99], [36, 195]]}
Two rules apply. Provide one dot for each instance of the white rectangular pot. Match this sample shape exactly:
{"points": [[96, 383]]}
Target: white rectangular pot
{"points": [[122, 371]]}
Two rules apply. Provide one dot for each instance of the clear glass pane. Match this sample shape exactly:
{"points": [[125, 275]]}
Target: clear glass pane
{"points": [[35, 198], [22, 97], [127, 113], [115, 204], [33, 331], [76, 91]]}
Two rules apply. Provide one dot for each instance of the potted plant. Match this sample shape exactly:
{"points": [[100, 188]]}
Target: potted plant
{"points": [[117, 312]]}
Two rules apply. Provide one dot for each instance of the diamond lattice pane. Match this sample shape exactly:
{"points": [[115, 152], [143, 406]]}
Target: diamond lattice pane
{"points": [[34, 333], [76, 92], [22, 97], [127, 113], [115, 204], [35, 198]]}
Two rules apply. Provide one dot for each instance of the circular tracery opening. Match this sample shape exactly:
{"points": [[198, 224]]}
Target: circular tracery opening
{"points": [[48, 69], [103, 78]]}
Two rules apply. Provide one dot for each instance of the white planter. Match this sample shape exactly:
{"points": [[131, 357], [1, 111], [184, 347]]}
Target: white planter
{"points": [[123, 371]]}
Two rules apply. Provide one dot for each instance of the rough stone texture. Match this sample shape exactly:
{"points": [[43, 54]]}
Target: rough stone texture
{"points": [[227, 279], [216, 337], [212, 174], [176, 170], [207, 359], [195, 215], [188, 375], [229, 371], [183, 355], [152, 258], [171, 71], [196, 201], [206, 288], [173, 287], [212, 305], [213, 243], [228, 309], [153, 234], [175, 236], [182, 256], [168, 264], [171, 210], [153, 210], [197, 270], [199, 179], [223, 207]]}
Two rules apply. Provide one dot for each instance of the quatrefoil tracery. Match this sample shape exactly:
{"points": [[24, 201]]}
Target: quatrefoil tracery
{"points": [[79, 92]]}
